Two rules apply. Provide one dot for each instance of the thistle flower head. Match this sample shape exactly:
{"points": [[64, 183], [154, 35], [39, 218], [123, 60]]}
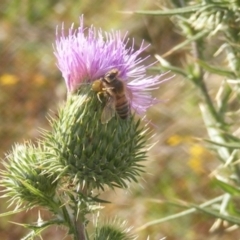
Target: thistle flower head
{"points": [[87, 151], [86, 54], [25, 179]]}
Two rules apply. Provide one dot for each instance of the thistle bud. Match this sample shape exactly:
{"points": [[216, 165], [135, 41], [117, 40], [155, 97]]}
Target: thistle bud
{"points": [[25, 179]]}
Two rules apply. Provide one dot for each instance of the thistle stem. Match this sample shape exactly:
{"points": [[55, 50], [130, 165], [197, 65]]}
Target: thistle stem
{"points": [[209, 103], [219, 121], [80, 231], [201, 84]]}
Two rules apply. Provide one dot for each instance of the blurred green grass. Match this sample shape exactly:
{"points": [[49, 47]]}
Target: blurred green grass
{"points": [[30, 85]]}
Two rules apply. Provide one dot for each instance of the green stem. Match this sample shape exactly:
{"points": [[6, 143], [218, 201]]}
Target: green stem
{"points": [[80, 230], [181, 214], [200, 82], [76, 227], [72, 224], [218, 119], [208, 101], [78, 222]]}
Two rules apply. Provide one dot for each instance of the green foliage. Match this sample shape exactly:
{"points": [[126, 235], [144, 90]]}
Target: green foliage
{"points": [[211, 28]]}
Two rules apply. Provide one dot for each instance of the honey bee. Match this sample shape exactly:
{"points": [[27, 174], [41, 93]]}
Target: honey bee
{"points": [[114, 90]]}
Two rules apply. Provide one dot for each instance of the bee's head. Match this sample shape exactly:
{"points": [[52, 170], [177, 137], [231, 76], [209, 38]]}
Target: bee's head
{"points": [[111, 75]]}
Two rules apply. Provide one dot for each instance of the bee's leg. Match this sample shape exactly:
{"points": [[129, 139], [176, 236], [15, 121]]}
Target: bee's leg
{"points": [[98, 96], [107, 88]]}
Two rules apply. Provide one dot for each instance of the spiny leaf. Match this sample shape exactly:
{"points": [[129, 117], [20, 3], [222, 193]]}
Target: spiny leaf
{"points": [[167, 12]]}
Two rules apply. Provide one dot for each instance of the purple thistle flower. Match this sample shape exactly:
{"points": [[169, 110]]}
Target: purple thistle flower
{"points": [[86, 54]]}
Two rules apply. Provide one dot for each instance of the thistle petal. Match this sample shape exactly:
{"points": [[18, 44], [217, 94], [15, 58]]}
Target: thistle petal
{"points": [[86, 54]]}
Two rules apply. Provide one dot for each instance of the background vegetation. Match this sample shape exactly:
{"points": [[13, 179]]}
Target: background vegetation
{"points": [[180, 166]]}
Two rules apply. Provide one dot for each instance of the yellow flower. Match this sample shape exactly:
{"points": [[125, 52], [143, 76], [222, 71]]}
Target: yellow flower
{"points": [[196, 158], [175, 140], [8, 79], [197, 150]]}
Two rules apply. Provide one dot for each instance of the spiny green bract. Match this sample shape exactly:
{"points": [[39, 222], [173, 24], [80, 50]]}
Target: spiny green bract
{"points": [[110, 232], [91, 153], [25, 179]]}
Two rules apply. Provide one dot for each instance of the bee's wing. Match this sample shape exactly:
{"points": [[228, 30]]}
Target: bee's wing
{"points": [[108, 110]]}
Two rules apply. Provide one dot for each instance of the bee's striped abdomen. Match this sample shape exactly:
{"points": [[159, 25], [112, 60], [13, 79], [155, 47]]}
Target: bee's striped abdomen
{"points": [[122, 106]]}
